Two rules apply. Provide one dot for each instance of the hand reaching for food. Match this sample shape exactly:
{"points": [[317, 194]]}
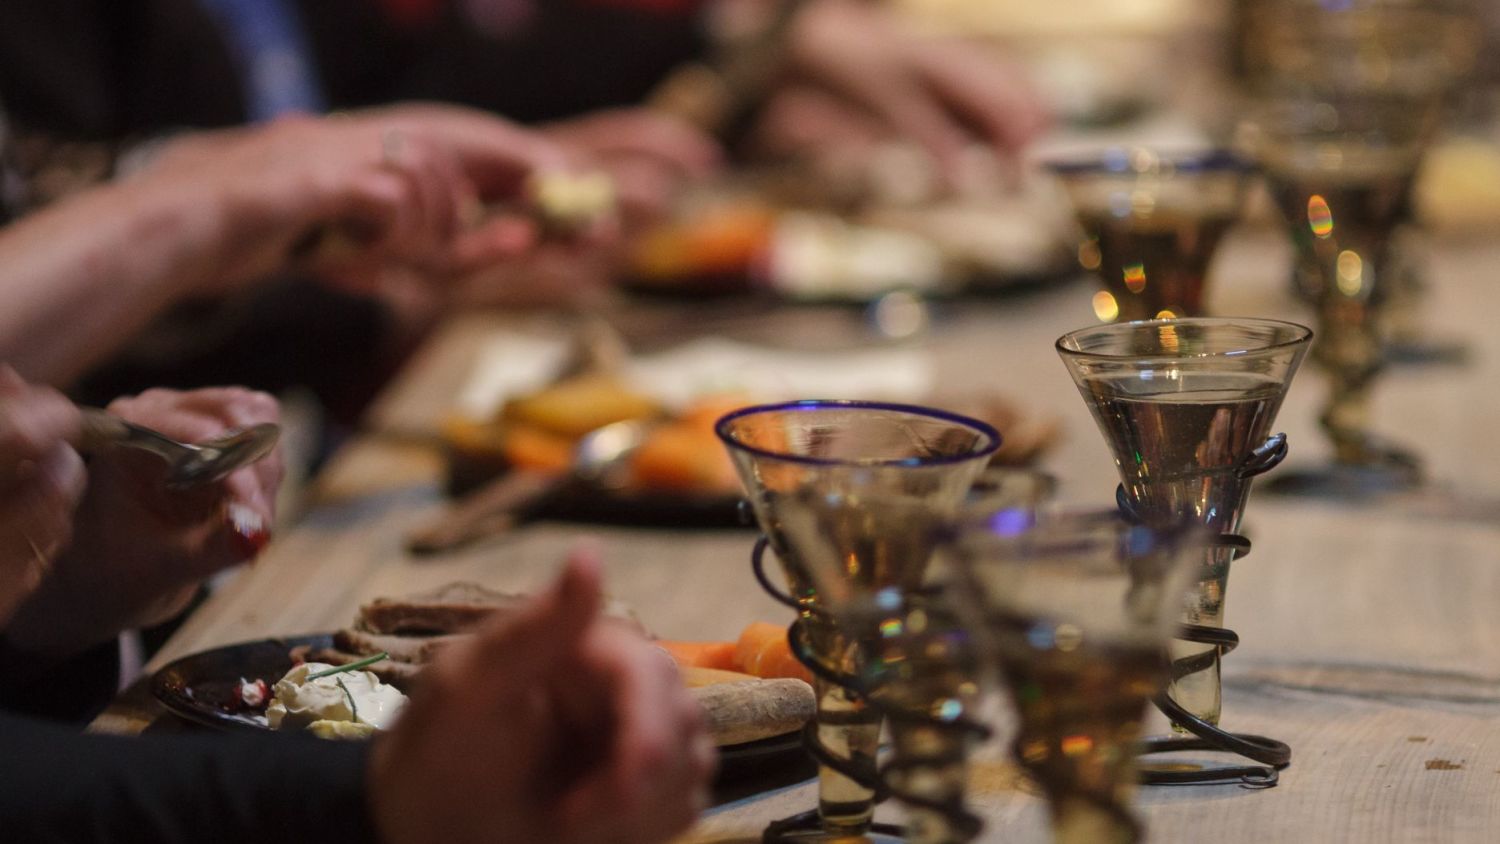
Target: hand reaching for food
{"points": [[945, 94]]}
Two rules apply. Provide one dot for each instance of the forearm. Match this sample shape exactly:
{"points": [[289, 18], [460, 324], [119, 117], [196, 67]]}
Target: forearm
{"points": [[59, 786], [83, 276]]}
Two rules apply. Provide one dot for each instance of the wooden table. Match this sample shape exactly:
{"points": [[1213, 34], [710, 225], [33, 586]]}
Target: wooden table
{"points": [[1371, 634]]}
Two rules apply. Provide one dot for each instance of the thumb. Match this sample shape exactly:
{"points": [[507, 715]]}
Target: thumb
{"points": [[553, 624]]}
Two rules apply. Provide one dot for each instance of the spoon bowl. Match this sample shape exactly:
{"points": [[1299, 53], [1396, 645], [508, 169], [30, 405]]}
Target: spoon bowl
{"points": [[216, 459], [188, 464]]}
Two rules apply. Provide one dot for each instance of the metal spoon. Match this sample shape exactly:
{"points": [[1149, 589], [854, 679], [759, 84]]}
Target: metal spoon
{"points": [[188, 464], [502, 503]]}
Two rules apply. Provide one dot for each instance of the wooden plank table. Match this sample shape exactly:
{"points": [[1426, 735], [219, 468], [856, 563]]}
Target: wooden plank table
{"points": [[1371, 634]]}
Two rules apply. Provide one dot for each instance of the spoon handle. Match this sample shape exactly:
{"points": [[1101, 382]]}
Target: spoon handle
{"points": [[102, 430], [490, 510]]}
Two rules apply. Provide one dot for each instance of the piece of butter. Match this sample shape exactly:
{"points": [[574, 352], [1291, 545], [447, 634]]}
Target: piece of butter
{"points": [[340, 730]]}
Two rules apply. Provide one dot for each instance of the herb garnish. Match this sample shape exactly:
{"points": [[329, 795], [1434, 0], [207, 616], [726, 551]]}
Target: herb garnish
{"points": [[353, 710], [353, 666]]}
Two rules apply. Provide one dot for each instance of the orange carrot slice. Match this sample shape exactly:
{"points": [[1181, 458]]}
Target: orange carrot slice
{"points": [[718, 655], [763, 651]]}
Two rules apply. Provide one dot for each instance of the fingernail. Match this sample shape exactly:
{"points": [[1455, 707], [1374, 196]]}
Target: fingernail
{"points": [[247, 529]]}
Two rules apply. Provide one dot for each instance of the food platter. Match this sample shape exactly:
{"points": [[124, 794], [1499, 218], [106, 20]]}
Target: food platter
{"points": [[199, 688]]}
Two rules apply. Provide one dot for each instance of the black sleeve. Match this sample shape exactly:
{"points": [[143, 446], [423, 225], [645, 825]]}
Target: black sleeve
{"points": [[103, 70], [58, 786]]}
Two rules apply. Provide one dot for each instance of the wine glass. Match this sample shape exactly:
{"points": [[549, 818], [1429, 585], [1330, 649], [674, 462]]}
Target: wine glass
{"points": [[1152, 220], [1075, 611], [1341, 169], [1418, 53], [1186, 406], [849, 495], [920, 666]]}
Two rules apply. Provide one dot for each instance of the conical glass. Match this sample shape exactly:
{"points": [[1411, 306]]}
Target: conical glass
{"points": [[850, 495], [1151, 221], [921, 665], [1075, 611], [1186, 407], [1341, 171]]}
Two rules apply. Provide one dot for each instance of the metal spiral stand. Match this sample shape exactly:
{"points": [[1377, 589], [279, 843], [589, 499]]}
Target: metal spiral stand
{"points": [[1272, 755], [877, 780]]}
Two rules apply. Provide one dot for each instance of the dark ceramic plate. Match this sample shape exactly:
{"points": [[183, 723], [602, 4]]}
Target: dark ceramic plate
{"points": [[200, 687]]}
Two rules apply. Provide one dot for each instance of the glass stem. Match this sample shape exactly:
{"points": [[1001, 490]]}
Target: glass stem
{"points": [[1201, 692], [938, 771], [1348, 347], [850, 731]]}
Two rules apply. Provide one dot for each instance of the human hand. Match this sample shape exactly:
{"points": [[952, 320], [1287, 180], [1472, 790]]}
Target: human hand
{"points": [[141, 550], [650, 156], [41, 481], [946, 94], [551, 725], [347, 195]]}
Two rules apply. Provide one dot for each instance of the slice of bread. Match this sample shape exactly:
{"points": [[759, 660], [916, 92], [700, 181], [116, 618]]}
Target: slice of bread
{"points": [[417, 650], [451, 608]]}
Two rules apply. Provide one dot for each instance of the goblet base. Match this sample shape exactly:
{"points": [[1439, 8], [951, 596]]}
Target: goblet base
{"points": [[1382, 473], [807, 826], [1427, 352], [1274, 754]]}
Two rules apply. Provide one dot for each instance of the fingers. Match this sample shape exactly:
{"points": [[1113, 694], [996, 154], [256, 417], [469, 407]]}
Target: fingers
{"points": [[34, 422], [531, 642], [37, 518], [493, 242], [653, 781], [986, 92], [496, 156], [641, 133], [239, 510]]}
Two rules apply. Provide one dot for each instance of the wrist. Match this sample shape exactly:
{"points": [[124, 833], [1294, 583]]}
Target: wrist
{"points": [[189, 218]]}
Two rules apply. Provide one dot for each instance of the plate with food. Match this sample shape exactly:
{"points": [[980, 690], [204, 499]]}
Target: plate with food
{"points": [[586, 448], [629, 439], [353, 682], [805, 234]]}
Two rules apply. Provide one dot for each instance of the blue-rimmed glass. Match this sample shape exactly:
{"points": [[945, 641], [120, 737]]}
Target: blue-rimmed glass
{"points": [[1151, 221], [849, 495]]}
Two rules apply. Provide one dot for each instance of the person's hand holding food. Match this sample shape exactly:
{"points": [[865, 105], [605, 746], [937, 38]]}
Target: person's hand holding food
{"points": [[856, 71], [649, 157], [41, 481], [140, 550], [552, 724], [349, 195]]}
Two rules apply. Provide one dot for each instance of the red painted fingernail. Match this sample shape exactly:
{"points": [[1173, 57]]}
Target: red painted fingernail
{"points": [[248, 529]]}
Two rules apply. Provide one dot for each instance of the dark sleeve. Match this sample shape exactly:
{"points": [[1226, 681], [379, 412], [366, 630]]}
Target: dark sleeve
{"points": [[103, 70], [557, 59], [71, 690], [56, 785]]}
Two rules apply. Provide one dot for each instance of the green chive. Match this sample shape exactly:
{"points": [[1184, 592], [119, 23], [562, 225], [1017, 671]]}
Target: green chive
{"points": [[353, 710], [353, 666]]}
